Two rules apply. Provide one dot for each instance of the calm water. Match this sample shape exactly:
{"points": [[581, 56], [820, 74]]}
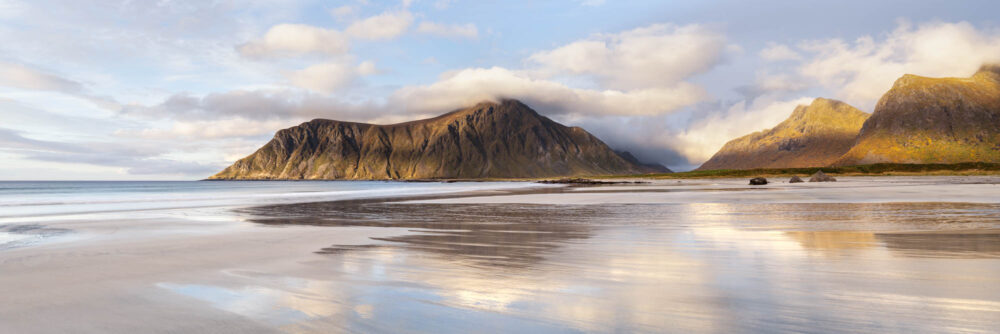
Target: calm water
{"points": [[693, 267]]}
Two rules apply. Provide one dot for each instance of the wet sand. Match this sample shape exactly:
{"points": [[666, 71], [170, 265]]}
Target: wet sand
{"points": [[872, 254]]}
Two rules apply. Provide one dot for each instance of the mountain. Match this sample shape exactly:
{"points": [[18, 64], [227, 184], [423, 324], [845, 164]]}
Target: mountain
{"points": [[814, 135], [488, 140], [647, 167], [933, 120]]}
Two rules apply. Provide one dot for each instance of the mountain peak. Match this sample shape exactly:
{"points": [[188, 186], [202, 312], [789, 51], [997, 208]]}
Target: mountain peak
{"points": [[933, 120], [991, 71], [814, 135], [505, 139]]}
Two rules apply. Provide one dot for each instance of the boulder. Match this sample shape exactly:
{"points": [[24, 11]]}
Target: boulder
{"points": [[821, 177], [795, 179], [757, 181]]}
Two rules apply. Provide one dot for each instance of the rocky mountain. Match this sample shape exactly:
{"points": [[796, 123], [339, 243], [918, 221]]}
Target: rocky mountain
{"points": [[648, 167], [814, 135], [488, 140], [933, 120]]}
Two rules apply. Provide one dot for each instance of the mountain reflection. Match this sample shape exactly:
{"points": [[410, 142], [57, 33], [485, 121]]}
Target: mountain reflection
{"points": [[962, 245], [634, 268], [490, 235], [517, 235]]}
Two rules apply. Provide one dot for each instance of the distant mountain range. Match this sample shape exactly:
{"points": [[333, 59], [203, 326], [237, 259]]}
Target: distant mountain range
{"points": [[919, 120], [489, 140]]}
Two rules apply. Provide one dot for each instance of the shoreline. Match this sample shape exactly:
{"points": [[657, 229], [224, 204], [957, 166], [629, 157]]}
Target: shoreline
{"points": [[318, 263], [880, 169]]}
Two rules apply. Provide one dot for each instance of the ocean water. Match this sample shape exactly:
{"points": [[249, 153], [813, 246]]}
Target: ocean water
{"points": [[25, 205], [24, 199], [885, 255]]}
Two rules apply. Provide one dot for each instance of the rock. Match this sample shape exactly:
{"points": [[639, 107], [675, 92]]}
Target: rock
{"points": [[821, 177], [758, 181], [795, 179]]}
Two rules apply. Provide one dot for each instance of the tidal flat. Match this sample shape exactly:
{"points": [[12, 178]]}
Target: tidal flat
{"points": [[865, 254]]}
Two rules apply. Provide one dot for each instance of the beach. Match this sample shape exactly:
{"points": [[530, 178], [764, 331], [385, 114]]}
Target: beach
{"points": [[864, 254]]}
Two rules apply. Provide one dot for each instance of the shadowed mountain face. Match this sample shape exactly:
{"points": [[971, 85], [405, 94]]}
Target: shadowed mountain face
{"points": [[933, 120], [813, 136], [489, 140]]}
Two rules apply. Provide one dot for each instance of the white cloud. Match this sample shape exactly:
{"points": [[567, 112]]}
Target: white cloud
{"points": [[24, 77], [296, 39], [258, 104], [861, 71], [652, 56], [344, 12], [469, 86], [367, 68], [467, 30], [11, 8], [442, 4], [328, 77], [779, 52], [383, 26], [210, 129]]}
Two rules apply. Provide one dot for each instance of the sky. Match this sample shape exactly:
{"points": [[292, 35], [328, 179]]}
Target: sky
{"points": [[177, 90]]}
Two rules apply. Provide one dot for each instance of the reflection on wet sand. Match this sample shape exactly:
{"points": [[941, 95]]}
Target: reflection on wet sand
{"points": [[950, 245], [639, 268], [832, 240], [495, 235]]}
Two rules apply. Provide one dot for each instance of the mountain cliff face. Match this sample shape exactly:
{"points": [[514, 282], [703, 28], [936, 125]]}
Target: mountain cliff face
{"points": [[814, 135], [489, 140], [933, 120]]}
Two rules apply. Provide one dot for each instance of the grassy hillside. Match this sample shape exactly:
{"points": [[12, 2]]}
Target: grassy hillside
{"points": [[965, 168]]}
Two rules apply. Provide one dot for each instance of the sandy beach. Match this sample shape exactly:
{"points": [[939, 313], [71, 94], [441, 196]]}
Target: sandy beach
{"points": [[695, 255]]}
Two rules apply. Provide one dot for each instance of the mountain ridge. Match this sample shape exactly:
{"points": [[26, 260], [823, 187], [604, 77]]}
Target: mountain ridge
{"points": [[812, 136], [933, 120], [489, 140]]}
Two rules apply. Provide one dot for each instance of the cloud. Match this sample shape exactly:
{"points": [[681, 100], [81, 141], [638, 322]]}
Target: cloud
{"points": [[592, 3], [387, 25], [258, 104], [861, 71], [468, 30], [137, 160], [331, 76], [779, 52], [24, 77], [296, 39], [469, 86], [653, 56], [233, 127], [442, 4], [344, 12]]}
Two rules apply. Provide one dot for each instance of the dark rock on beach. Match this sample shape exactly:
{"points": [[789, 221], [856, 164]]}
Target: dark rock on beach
{"points": [[757, 181], [821, 177]]}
